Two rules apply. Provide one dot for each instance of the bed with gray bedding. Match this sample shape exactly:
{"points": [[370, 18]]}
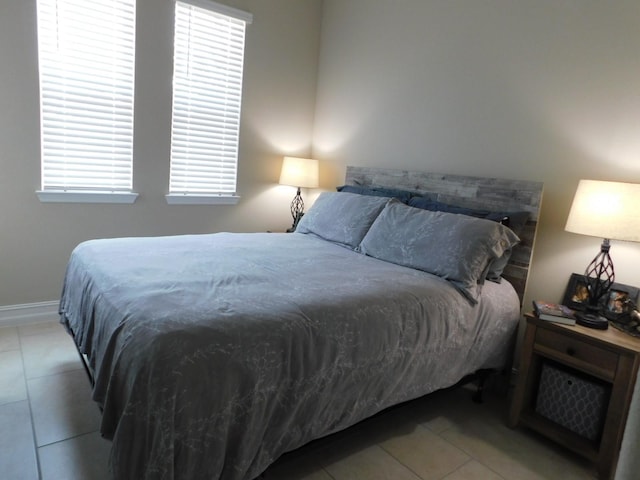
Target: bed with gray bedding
{"points": [[212, 355]]}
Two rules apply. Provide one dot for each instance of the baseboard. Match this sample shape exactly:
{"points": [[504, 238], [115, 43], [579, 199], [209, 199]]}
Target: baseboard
{"points": [[17, 315]]}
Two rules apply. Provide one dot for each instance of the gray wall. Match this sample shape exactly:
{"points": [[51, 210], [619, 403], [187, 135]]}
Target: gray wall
{"points": [[278, 107], [545, 90]]}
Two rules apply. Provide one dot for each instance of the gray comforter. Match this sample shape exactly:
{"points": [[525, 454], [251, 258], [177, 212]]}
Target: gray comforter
{"points": [[215, 354]]}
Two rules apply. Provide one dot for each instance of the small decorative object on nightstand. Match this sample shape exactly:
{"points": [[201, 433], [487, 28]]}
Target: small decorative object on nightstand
{"points": [[619, 306], [602, 363]]}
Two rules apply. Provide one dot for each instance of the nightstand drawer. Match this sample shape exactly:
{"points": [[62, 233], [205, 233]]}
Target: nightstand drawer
{"points": [[569, 348]]}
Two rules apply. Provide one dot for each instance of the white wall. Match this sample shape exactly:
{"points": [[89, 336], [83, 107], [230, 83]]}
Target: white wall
{"points": [[546, 90], [277, 118]]}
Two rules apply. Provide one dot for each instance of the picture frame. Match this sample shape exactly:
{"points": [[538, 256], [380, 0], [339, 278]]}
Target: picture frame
{"points": [[576, 294], [613, 305]]}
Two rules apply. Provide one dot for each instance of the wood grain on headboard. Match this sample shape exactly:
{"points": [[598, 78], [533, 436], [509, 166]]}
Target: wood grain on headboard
{"points": [[494, 194]]}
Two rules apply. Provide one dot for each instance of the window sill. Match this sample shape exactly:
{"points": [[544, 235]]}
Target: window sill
{"points": [[60, 196], [187, 199]]}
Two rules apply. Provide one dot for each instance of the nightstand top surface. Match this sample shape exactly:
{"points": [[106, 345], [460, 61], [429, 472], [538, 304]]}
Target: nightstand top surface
{"points": [[610, 336]]}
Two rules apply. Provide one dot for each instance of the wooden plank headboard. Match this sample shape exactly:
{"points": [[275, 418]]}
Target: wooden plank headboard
{"points": [[494, 194]]}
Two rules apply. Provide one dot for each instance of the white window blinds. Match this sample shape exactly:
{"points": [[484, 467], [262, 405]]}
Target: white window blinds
{"points": [[207, 91], [86, 57]]}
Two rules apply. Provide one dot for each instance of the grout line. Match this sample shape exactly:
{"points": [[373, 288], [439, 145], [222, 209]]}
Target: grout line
{"points": [[492, 470], [10, 350], [51, 333], [60, 372], [73, 437], [14, 401], [48, 331], [416, 473], [33, 424], [328, 474], [470, 459]]}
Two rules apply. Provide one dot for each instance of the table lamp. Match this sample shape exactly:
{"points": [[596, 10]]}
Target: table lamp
{"points": [[298, 172], [609, 210]]}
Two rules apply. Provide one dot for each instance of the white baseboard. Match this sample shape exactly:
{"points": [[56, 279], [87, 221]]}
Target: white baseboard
{"points": [[17, 315]]}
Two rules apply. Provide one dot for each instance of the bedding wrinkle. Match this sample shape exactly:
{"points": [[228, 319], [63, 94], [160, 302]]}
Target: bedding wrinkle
{"points": [[215, 354]]}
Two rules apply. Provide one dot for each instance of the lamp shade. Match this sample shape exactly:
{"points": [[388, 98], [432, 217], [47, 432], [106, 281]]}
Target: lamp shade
{"points": [[299, 172], [608, 210]]}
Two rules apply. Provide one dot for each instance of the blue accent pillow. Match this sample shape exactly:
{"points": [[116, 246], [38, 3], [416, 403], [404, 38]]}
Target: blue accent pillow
{"points": [[342, 218], [514, 220], [402, 195], [458, 248]]}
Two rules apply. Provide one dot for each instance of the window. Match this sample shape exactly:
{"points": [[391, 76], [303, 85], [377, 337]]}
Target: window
{"points": [[86, 59], [207, 92]]}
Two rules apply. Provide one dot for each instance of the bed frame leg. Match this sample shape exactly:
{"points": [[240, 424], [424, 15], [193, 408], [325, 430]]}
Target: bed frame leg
{"points": [[82, 358], [482, 376]]}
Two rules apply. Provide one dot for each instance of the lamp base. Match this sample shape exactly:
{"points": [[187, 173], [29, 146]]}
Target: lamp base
{"points": [[591, 320], [296, 220]]}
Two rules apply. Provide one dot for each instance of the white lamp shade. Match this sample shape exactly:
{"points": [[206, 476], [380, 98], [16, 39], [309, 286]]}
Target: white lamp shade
{"points": [[299, 172], [606, 210]]}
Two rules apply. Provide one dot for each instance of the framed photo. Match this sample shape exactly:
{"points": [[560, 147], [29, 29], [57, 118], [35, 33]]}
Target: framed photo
{"points": [[576, 295], [614, 305]]}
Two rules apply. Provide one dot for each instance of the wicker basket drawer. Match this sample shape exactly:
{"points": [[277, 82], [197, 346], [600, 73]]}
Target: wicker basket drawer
{"points": [[573, 401]]}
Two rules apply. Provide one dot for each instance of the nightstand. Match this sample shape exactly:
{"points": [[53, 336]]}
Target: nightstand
{"points": [[608, 358]]}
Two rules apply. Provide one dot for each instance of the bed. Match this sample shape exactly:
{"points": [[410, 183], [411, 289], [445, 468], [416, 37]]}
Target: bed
{"points": [[212, 355]]}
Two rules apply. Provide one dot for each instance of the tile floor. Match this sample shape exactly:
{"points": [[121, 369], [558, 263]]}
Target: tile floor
{"points": [[49, 430]]}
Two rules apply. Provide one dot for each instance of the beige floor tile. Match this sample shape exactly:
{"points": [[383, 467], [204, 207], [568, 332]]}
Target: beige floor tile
{"points": [[473, 471], [50, 326], [516, 454], [438, 424], [12, 382], [79, 458], [9, 339], [49, 353], [447, 408], [300, 468], [372, 463], [317, 475], [390, 423], [425, 453], [17, 450], [62, 406]]}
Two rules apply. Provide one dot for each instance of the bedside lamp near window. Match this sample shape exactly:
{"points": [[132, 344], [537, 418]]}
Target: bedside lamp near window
{"points": [[298, 172], [609, 210]]}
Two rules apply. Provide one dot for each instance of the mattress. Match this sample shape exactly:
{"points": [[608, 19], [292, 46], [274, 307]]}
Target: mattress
{"points": [[212, 355]]}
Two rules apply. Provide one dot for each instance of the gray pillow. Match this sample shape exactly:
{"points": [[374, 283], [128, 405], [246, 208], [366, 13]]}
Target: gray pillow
{"points": [[342, 218], [458, 248]]}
